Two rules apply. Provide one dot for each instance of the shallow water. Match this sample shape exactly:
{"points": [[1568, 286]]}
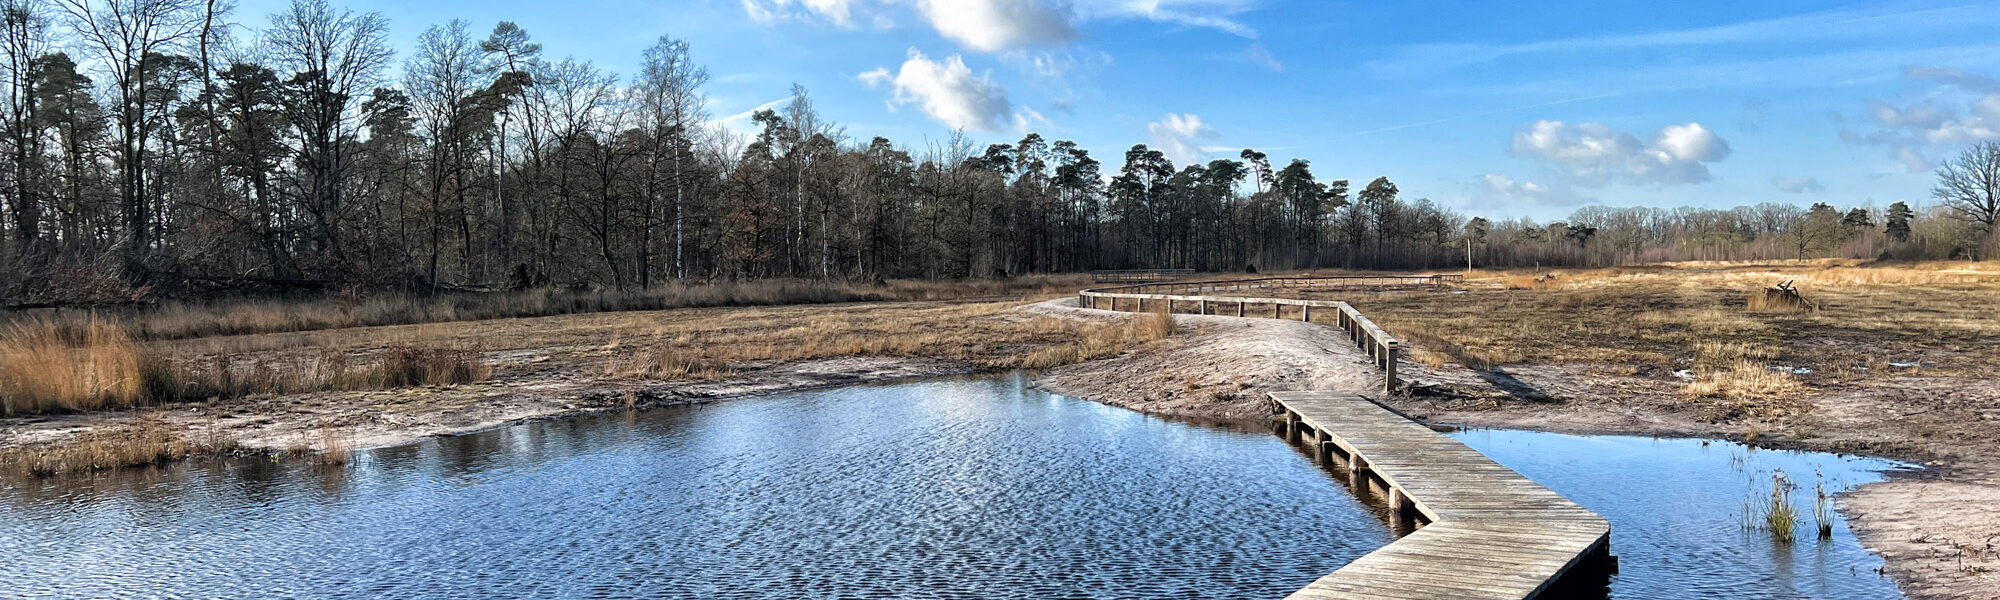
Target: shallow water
{"points": [[939, 489], [1676, 508], [955, 488]]}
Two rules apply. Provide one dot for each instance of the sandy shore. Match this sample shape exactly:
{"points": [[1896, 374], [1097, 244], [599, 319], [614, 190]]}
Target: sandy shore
{"points": [[394, 417]]}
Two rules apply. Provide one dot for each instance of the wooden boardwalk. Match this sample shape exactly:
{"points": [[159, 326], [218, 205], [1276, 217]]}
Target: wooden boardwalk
{"points": [[1492, 532]]}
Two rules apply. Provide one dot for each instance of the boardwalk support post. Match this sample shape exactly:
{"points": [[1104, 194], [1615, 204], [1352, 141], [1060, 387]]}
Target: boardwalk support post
{"points": [[1389, 367]]}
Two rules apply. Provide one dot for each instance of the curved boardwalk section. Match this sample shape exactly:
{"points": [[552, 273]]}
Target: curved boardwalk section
{"points": [[1493, 533]]}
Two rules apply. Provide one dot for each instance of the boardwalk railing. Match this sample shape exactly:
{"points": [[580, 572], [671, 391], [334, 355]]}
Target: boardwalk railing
{"points": [[1381, 347], [1137, 275], [1292, 282]]}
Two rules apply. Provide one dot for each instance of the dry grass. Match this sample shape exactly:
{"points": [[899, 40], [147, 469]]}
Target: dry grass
{"points": [[988, 335], [148, 440], [44, 367], [1773, 512], [1546, 281], [47, 366], [333, 447], [183, 320], [1873, 321]]}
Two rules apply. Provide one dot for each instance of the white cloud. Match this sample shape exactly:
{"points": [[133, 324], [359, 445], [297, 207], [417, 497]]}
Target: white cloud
{"points": [[1595, 154], [1498, 187], [1797, 185], [1210, 14], [995, 25], [1961, 109], [1052, 71], [946, 90], [999, 25], [1840, 27], [1179, 136], [839, 12], [1258, 55]]}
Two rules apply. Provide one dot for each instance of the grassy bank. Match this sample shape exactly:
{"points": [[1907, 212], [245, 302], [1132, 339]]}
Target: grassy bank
{"points": [[987, 335], [183, 320], [1707, 324], [294, 393], [51, 366]]}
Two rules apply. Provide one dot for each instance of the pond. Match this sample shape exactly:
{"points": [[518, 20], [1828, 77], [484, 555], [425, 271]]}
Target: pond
{"points": [[956, 488], [950, 488], [1676, 508]]}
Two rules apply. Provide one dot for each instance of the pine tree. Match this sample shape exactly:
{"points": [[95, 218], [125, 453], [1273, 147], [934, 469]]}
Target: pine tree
{"points": [[1898, 227]]}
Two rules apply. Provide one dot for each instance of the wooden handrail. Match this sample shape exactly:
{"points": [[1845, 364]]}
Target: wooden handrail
{"points": [[1382, 349]]}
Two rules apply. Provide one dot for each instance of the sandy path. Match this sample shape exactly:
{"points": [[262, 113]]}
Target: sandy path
{"points": [[1216, 368]]}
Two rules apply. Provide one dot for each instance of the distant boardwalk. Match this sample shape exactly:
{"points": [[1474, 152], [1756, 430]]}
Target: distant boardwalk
{"points": [[1493, 533], [1137, 275]]}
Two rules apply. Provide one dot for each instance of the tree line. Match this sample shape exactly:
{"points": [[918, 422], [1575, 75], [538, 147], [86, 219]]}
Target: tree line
{"points": [[161, 147]]}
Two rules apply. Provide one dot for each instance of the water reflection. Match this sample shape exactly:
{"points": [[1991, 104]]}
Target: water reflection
{"points": [[939, 489], [942, 489]]}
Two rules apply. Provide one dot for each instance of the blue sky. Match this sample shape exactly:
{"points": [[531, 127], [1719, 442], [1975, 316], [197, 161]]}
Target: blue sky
{"points": [[1491, 108]]}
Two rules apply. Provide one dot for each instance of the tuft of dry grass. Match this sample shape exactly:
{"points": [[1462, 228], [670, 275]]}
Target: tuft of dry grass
{"points": [[1822, 507], [48, 367], [148, 440], [1780, 516], [407, 366], [1158, 325], [333, 447], [1745, 388]]}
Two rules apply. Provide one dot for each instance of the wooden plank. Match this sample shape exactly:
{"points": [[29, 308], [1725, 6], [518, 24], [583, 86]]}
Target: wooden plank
{"points": [[1495, 533]]}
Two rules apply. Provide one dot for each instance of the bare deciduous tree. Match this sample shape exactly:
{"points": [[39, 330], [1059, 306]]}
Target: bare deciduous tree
{"points": [[1970, 185], [126, 34]]}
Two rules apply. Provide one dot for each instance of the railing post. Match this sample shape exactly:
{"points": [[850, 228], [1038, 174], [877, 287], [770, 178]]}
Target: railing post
{"points": [[1389, 370], [1203, 306]]}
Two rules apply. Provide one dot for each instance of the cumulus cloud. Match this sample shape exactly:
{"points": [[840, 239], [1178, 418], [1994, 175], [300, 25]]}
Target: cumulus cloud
{"points": [[1498, 187], [1797, 185], [1961, 109], [1595, 154], [946, 90], [1179, 136]]}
